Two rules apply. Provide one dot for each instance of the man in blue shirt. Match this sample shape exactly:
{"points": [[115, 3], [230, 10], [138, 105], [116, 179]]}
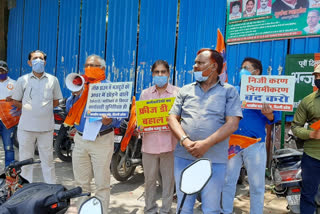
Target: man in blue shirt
{"points": [[254, 157], [92, 158], [205, 113]]}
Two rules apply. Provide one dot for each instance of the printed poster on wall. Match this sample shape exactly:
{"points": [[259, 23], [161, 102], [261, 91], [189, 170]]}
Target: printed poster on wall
{"points": [[301, 67], [111, 99], [152, 115], [277, 91], [258, 20]]}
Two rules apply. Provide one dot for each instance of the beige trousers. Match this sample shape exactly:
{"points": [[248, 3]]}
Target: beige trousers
{"points": [[91, 159], [153, 165], [45, 146]]}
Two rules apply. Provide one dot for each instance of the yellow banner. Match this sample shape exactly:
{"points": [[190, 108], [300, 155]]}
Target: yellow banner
{"points": [[152, 115]]}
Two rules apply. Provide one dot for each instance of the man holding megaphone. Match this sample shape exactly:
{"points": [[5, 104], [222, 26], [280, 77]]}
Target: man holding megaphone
{"points": [[90, 158]]}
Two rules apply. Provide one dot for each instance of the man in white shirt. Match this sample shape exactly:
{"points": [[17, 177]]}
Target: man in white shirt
{"points": [[313, 22], [37, 93], [6, 87]]}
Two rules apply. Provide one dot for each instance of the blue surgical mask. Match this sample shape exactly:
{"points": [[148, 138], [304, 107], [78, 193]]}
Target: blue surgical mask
{"points": [[160, 81], [244, 72], [198, 76], [38, 65], [3, 76]]}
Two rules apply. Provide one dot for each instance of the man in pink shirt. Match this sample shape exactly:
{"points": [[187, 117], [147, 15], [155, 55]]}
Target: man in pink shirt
{"points": [[157, 147]]}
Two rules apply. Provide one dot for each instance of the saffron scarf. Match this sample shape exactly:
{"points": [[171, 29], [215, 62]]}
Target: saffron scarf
{"points": [[91, 75]]}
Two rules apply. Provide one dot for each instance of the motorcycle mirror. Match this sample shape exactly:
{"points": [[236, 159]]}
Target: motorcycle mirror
{"points": [[92, 205], [195, 176]]}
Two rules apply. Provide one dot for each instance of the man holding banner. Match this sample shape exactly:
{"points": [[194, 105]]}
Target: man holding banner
{"points": [[91, 158], [254, 157], [204, 115], [308, 111], [157, 147], [6, 87]]}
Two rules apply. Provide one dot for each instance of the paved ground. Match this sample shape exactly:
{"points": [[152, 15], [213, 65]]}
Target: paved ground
{"points": [[127, 197]]}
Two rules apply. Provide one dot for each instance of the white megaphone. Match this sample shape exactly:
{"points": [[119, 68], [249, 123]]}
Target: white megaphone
{"points": [[73, 82]]}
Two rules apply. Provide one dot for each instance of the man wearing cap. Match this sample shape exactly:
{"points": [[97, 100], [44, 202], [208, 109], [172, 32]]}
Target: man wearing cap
{"points": [[37, 93], [309, 111], [6, 87]]}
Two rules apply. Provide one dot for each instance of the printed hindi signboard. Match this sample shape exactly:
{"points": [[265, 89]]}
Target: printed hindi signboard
{"points": [[258, 20], [277, 91], [152, 115], [301, 67], [111, 99]]}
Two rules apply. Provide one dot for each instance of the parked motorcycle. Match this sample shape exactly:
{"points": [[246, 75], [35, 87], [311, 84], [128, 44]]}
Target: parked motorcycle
{"points": [[286, 176], [126, 158], [40, 198], [64, 143], [11, 181]]}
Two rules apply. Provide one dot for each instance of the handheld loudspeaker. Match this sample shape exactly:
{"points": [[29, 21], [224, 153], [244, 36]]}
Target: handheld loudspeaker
{"points": [[74, 82]]}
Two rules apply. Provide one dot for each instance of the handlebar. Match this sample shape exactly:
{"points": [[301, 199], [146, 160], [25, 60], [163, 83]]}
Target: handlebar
{"points": [[23, 163], [61, 196]]}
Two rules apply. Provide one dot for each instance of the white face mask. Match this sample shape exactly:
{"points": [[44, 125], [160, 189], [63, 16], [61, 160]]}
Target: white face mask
{"points": [[38, 65], [198, 75]]}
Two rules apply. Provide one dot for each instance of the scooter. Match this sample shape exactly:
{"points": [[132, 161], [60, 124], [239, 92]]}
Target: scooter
{"points": [[125, 158], [11, 180], [286, 176]]}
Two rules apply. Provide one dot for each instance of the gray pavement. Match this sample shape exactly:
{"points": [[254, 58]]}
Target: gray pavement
{"points": [[128, 197]]}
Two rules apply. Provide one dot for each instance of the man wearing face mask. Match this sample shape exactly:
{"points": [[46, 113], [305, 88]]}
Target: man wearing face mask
{"points": [[309, 111], [254, 157], [37, 93], [6, 88], [91, 159], [204, 115], [158, 147]]}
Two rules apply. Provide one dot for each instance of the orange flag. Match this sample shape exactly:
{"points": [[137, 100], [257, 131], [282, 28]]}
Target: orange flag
{"points": [[315, 125], [9, 114], [221, 48], [238, 143], [131, 126]]}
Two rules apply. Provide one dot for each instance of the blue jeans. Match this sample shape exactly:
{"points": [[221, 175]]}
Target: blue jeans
{"points": [[254, 160], [310, 182], [7, 143], [210, 194]]}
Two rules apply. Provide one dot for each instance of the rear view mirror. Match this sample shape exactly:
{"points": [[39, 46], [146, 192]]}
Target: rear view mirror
{"points": [[91, 206], [194, 178]]}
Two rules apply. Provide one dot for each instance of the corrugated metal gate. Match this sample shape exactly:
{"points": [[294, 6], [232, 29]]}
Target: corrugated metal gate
{"points": [[131, 35]]}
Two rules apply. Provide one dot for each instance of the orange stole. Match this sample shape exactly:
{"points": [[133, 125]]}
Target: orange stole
{"points": [[131, 126], [239, 142]]}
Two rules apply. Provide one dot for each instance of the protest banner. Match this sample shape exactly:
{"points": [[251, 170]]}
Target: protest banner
{"points": [[261, 20], [301, 67], [277, 91], [111, 99], [152, 115], [9, 114]]}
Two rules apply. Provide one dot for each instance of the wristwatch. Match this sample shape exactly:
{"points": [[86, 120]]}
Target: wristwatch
{"points": [[182, 139]]}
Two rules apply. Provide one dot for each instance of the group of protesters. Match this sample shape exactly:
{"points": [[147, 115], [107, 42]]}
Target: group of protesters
{"points": [[204, 115]]}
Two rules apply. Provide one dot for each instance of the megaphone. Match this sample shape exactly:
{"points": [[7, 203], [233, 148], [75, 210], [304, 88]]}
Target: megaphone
{"points": [[74, 82]]}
